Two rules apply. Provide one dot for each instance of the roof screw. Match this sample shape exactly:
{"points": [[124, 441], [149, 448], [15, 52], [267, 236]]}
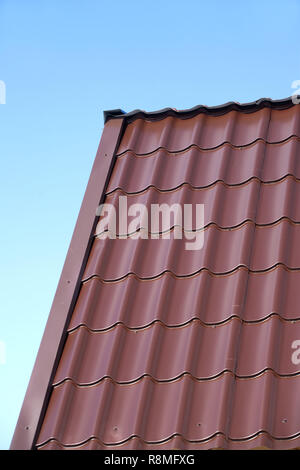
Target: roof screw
{"points": [[115, 428], [27, 428], [284, 420]]}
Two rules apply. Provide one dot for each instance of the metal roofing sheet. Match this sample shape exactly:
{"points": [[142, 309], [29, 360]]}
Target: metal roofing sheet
{"points": [[207, 132], [175, 301], [168, 348], [167, 171], [261, 441], [188, 349], [256, 247], [155, 411], [225, 206]]}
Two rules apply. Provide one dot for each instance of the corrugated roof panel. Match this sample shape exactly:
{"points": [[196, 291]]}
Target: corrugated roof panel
{"points": [[176, 301], [207, 132], [261, 441], [170, 348], [126, 355], [225, 206], [201, 168], [256, 247], [155, 411]]}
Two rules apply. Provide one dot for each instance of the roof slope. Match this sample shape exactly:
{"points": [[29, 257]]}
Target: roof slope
{"points": [[168, 348]]}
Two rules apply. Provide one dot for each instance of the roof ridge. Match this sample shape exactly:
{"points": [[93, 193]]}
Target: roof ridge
{"points": [[249, 107]]}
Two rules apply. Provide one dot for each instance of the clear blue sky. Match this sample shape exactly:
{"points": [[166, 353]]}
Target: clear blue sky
{"points": [[63, 63]]}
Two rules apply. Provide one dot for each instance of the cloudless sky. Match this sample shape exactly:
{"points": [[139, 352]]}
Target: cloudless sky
{"points": [[63, 63]]}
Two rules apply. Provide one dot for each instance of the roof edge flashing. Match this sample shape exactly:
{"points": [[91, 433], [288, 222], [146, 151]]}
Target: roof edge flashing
{"points": [[40, 384], [113, 114]]}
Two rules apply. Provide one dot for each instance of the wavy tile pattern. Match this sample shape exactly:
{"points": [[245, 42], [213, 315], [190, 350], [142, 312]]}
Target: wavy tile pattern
{"points": [[176, 301], [169, 348], [269, 342], [262, 441], [240, 129], [258, 248], [115, 413], [225, 206], [201, 168]]}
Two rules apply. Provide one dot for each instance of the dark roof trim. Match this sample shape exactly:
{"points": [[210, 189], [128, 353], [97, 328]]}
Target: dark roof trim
{"points": [[212, 110], [113, 113], [39, 388]]}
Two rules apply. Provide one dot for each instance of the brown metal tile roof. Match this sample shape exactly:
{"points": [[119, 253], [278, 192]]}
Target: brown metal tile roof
{"points": [[257, 247], [166, 348]]}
